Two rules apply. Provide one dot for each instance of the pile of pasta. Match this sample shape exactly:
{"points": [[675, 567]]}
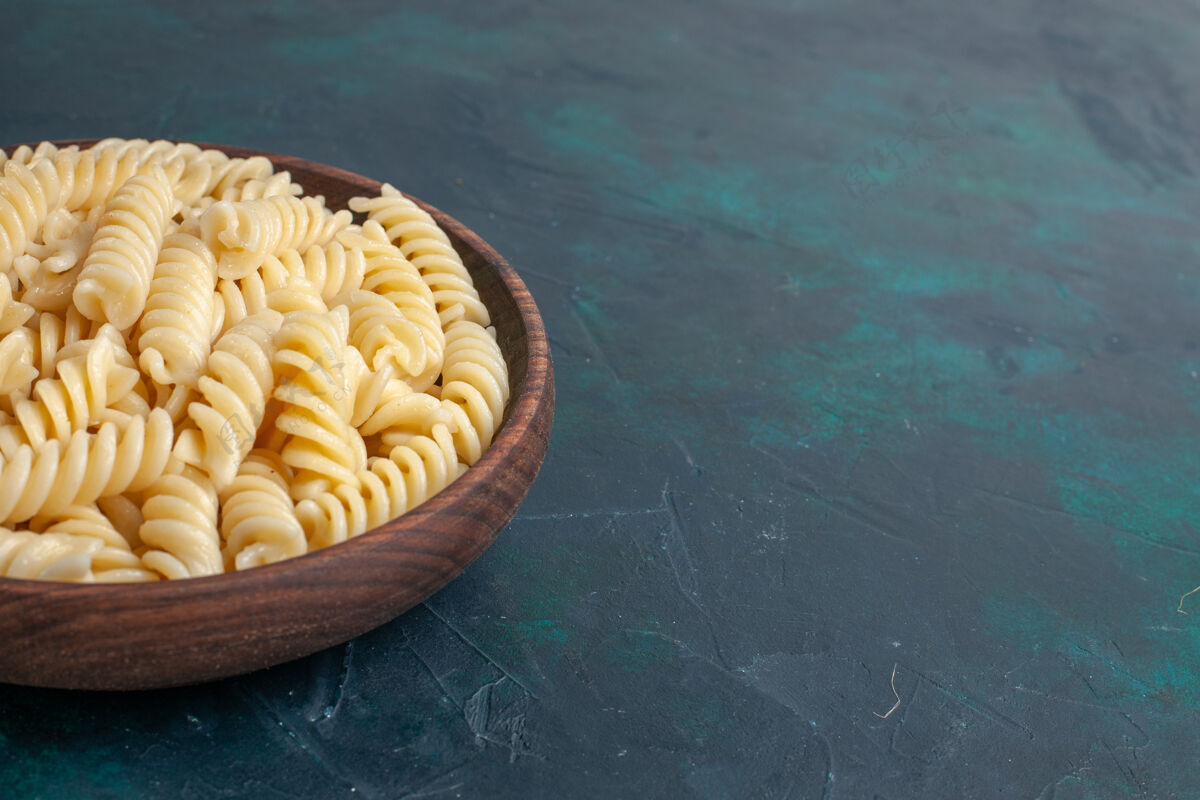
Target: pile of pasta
{"points": [[204, 370]]}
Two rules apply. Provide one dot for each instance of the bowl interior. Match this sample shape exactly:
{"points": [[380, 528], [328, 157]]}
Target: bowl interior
{"points": [[139, 636]]}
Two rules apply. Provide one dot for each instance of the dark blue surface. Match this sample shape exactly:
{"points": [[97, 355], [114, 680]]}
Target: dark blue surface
{"points": [[876, 341]]}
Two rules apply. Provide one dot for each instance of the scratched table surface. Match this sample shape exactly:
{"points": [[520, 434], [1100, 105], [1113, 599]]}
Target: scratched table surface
{"points": [[875, 460]]}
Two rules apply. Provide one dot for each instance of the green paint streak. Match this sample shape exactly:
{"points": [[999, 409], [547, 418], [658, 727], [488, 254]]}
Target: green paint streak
{"points": [[35, 773], [593, 134], [403, 39], [541, 630]]}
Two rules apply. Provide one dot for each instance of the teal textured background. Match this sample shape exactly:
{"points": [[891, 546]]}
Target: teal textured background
{"points": [[876, 340]]}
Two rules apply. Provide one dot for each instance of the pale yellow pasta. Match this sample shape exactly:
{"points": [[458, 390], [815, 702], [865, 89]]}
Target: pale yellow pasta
{"points": [[231, 175], [229, 305], [90, 178], [175, 331], [17, 370], [88, 392], [322, 446], [115, 562], [53, 333], [382, 334], [195, 176], [389, 274], [49, 271], [401, 410], [474, 386], [235, 388], [273, 286], [298, 295], [333, 268], [367, 388], [407, 477], [48, 556], [203, 370], [11, 437], [277, 185], [179, 526], [429, 249], [116, 275], [13, 313], [52, 477], [243, 234], [258, 519], [125, 515], [26, 154], [27, 196]]}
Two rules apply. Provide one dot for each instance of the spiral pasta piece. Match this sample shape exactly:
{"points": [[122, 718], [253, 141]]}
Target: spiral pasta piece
{"points": [[367, 388], [25, 154], [389, 274], [55, 556], [53, 334], [258, 519], [277, 185], [64, 241], [53, 477], [17, 370], [175, 330], [27, 196], [243, 234], [474, 386], [195, 173], [231, 175], [115, 280], [274, 286], [88, 387], [235, 387], [90, 178], [407, 477], [121, 147], [48, 278], [82, 520], [48, 272], [321, 446], [332, 517], [428, 248], [115, 561], [180, 526], [381, 332], [400, 410], [298, 295], [333, 268], [229, 305], [13, 313]]}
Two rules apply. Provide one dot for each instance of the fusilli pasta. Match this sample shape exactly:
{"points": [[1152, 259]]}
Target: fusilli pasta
{"points": [[116, 275], [176, 328], [234, 388], [428, 248], [322, 447], [243, 234], [179, 526], [203, 370], [258, 520]]}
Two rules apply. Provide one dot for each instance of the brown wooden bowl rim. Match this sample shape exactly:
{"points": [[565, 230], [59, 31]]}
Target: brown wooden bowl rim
{"points": [[530, 403]]}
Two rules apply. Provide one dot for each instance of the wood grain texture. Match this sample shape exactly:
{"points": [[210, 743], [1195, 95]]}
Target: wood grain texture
{"points": [[173, 633]]}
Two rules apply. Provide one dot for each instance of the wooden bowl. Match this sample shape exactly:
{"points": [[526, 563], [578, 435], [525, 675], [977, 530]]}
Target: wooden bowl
{"points": [[173, 633]]}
